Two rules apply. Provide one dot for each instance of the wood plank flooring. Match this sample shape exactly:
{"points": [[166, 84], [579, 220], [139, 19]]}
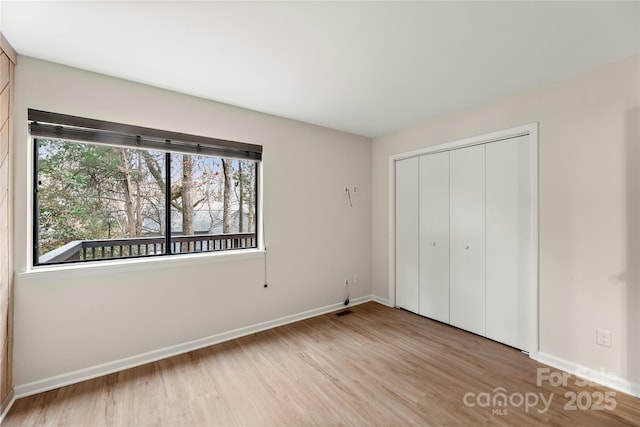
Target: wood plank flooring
{"points": [[377, 366]]}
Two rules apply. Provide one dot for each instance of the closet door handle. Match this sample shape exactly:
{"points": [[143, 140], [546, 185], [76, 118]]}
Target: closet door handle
{"points": [[467, 247]]}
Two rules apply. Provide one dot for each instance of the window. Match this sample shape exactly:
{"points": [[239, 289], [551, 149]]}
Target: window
{"points": [[110, 191]]}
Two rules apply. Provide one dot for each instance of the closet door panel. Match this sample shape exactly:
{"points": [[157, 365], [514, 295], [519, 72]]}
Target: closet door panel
{"points": [[434, 236], [407, 234], [467, 252], [509, 225]]}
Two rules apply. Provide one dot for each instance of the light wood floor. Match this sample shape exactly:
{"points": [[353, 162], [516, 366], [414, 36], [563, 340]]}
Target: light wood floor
{"points": [[377, 366]]}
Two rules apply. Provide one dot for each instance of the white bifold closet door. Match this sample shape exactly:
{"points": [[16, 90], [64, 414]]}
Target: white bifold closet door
{"points": [[509, 235], [467, 252], [466, 241], [434, 236], [407, 200]]}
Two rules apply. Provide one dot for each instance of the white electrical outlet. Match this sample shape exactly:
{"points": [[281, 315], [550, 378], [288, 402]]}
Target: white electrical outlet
{"points": [[355, 190], [346, 281], [603, 337]]}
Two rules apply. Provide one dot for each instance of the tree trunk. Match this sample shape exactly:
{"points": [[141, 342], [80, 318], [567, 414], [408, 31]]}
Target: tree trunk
{"points": [[240, 198], [128, 193], [139, 198], [154, 168], [186, 190], [226, 212], [252, 198]]}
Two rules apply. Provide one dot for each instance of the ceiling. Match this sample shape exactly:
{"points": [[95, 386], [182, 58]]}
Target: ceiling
{"points": [[368, 68]]}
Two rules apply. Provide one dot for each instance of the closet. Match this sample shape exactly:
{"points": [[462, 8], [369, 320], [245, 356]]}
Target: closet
{"points": [[465, 249]]}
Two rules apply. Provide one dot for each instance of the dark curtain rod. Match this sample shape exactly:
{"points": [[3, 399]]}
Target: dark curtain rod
{"points": [[61, 126]]}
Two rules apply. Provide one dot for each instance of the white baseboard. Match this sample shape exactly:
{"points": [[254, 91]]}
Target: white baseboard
{"points": [[379, 300], [7, 409], [603, 378], [73, 377]]}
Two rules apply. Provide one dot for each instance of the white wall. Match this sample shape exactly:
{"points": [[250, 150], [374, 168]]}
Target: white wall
{"points": [[78, 318], [589, 223], [589, 183]]}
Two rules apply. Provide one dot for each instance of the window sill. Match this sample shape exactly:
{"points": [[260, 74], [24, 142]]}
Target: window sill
{"points": [[141, 264]]}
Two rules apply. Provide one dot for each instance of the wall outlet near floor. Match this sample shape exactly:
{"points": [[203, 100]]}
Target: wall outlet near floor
{"points": [[603, 337]]}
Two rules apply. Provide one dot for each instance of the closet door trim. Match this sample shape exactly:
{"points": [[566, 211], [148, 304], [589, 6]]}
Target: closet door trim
{"points": [[530, 130]]}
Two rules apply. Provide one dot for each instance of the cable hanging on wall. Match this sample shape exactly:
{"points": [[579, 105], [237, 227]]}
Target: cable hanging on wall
{"points": [[264, 245]]}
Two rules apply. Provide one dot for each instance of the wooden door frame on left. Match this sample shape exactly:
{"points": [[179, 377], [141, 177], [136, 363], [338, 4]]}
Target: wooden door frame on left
{"points": [[6, 378]]}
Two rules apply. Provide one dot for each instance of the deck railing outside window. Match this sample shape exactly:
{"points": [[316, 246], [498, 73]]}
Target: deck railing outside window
{"points": [[85, 250]]}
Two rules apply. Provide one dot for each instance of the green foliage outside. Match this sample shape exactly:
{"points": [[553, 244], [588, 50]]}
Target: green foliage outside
{"points": [[91, 192]]}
